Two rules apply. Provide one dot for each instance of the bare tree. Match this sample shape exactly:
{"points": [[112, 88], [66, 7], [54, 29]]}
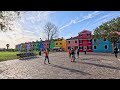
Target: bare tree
{"points": [[50, 31]]}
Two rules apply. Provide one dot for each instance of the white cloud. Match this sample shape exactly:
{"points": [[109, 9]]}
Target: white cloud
{"points": [[77, 20], [22, 33]]}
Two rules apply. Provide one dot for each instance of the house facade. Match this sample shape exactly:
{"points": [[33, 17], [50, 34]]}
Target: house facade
{"points": [[85, 40], [101, 45], [72, 43]]}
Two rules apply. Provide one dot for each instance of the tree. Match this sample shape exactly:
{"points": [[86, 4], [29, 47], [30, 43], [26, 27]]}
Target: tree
{"points": [[6, 17], [108, 31], [7, 45], [50, 31]]}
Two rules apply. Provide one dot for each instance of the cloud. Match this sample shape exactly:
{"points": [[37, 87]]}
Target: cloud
{"points": [[26, 29], [77, 20]]}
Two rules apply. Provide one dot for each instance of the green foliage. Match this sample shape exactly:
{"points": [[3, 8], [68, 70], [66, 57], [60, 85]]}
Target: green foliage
{"points": [[6, 17], [107, 30]]}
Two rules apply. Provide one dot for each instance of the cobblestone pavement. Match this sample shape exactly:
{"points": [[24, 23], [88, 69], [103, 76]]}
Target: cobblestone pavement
{"points": [[90, 66]]}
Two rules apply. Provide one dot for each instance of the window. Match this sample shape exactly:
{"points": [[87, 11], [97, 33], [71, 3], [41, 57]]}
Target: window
{"points": [[69, 47], [68, 41], [104, 39], [33, 45], [106, 47], [88, 34], [80, 35], [94, 40], [75, 41], [80, 41], [89, 47], [89, 41], [60, 43], [81, 47], [95, 47], [56, 43]]}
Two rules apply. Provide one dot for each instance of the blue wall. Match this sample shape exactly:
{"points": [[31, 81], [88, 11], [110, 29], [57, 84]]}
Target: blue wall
{"points": [[100, 45], [40, 45]]}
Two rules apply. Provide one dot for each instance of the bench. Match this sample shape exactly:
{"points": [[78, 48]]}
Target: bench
{"points": [[23, 55]]}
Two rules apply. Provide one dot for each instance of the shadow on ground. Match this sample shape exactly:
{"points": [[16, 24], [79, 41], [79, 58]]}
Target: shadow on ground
{"points": [[71, 70], [105, 66]]}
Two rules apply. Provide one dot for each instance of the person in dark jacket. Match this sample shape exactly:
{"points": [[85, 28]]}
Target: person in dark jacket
{"points": [[78, 52], [73, 55], [116, 51]]}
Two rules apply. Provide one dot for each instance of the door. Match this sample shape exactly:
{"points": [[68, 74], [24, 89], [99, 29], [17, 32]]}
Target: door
{"points": [[85, 47]]}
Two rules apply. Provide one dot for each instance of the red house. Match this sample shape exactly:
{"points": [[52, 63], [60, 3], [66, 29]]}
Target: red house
{"points": [[85, 40], [72, 43]]}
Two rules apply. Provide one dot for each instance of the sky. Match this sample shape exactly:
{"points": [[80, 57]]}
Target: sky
{"points": [[69, 23]]}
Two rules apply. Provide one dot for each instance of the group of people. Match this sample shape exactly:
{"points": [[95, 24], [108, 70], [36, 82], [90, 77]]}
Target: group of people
{"points": [[71, 54]]}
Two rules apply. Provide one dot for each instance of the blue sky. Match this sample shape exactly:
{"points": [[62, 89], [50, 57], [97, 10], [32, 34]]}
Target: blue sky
{"points": [[69, 23]]}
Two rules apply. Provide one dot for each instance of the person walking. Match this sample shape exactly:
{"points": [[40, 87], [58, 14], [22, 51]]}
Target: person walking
{"points": [[73, 55], [116, 51], [46, 56], [78, 52], [69, 53], [85, 50]]}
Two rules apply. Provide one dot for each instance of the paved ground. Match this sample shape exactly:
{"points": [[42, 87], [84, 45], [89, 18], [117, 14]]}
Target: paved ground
{"points": [[90, 66]]}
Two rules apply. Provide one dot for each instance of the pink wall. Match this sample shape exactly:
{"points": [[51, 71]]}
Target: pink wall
{"points": [[72, 42], [46, 44]]}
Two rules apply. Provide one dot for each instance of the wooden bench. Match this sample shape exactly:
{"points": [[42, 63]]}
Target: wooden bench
{"points": [[23, 55]]}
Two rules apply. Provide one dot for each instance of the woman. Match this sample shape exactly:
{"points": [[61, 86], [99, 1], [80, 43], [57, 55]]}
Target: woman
{"points": [[116, 51]]}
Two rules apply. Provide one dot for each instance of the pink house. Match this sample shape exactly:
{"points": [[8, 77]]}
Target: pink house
{"points": [[46, 44], [72, 43]]}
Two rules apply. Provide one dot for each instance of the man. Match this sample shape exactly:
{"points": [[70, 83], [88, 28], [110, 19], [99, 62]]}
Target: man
{"points": [[46, 56], [73, 55], [85, 50], [116, 51], [78, 52], [69, 53]]}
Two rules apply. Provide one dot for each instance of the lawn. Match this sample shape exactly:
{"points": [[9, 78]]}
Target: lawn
{"points": [[12, 55], [8, 56]]}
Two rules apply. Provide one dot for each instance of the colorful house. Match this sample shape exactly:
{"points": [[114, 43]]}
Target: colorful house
{"points": [[101, 45], [46, 44], [64, 46], [52, 44], [85, 40], [35, 46], [72, 43], [40, 45], [32, 46]]}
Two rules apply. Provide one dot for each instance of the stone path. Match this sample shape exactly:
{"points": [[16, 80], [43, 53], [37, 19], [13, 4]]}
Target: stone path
{"points": [[90, 66]]}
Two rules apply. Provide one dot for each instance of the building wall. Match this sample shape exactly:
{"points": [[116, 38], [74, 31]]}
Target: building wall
{"points": [[40, 45], [35, 46], [52, 44], [100, 45], [72, 43], [58, 43], [46, 44], [64, 45], [85, 38]]}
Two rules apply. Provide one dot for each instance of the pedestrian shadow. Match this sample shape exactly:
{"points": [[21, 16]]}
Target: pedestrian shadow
{"points": [[71, 70], [28, 58], [94, 59], [100, 54], [105, 66]]}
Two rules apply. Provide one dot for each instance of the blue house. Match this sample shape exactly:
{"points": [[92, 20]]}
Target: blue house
{"points": [[40, 45], [101, 45]]}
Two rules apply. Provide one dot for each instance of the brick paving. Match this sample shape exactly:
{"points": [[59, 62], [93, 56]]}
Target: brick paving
{"points": [[90, 66]]}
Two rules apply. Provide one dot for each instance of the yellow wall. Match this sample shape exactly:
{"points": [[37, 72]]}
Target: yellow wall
{"points": [[64, 45], [58, 41]]}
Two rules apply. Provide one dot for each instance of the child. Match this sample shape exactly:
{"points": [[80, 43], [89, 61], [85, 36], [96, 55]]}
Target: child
{"points": [[46, 56]]}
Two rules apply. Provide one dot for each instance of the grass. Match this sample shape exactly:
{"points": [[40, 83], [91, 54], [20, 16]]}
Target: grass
{"points": [[12, 55], [8, 56]]}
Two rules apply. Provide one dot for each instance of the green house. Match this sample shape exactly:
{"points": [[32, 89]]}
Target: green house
{"points": [[35, 46], [52, 44]]}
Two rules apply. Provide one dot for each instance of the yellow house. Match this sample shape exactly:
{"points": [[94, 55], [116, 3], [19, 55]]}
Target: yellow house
{"points": [[60, 43], [64, 45]]}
